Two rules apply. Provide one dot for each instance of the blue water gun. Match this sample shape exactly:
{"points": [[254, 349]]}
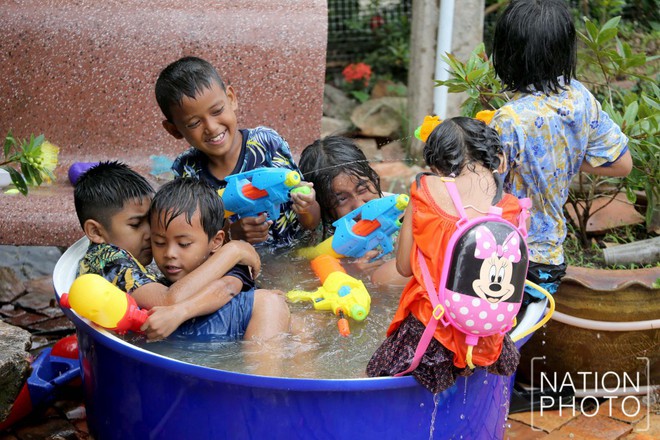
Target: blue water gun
{"points": [[250, 193], [53, 369], [363, 229]]}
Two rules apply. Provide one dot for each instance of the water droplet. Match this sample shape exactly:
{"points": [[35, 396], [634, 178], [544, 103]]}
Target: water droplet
{"points": [[508, 426], [598, 335], [571, 435], [462, 416], [421, 405], [486, 382], [542, 342]]}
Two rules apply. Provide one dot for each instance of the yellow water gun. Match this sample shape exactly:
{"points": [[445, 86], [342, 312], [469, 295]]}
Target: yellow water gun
{"points": [[340, 293], [95, 298]]}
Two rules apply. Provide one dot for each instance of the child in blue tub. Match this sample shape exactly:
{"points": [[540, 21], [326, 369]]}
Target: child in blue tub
{"points": [[112, 203], [344, 181], [200, 108]]}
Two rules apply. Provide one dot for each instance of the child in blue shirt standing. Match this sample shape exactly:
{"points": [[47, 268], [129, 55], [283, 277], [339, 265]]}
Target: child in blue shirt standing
{"points": [[552, 129], [200, 108]]}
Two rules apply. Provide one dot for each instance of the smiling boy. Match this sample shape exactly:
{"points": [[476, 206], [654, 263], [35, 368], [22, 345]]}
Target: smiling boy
{"points": [[200, 108]]}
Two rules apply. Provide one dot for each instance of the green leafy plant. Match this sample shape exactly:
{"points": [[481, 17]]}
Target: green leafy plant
{"points": [[381, 38], [476, 77], [29, 162], [637, 113]]}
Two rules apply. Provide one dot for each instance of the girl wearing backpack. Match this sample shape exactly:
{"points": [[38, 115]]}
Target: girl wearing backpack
{"points": [[467, 152]]}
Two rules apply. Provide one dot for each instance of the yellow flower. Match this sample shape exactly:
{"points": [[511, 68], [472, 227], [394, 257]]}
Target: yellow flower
{"points": [[47, 160]]}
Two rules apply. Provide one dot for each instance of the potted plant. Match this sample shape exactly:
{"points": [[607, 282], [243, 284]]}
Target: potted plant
{"points": [[599, 310]]}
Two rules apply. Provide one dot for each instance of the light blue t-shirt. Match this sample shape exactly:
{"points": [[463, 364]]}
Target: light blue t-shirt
{"points": [[546, 138]]}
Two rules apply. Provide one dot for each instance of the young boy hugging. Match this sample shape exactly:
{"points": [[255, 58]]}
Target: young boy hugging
{"points": [[187, 218], [112, 203], [200, 108]]}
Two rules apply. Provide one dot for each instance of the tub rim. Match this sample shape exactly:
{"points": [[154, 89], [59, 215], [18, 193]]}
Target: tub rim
{"points": [[62, 277]]}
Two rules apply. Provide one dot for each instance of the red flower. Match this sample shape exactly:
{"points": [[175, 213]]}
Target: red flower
{"points": [[357, 71], [376, 22]]}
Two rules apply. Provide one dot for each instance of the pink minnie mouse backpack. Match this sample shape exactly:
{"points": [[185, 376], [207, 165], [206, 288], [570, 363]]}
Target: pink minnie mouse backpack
{"points": [[482, 279]]}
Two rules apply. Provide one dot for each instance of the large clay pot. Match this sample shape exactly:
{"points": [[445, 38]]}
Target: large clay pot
{"points": [[616, 296]]}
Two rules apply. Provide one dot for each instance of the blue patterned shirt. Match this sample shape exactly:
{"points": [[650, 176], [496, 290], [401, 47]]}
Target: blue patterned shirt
{"points": [[546, 139], [262, 147]]}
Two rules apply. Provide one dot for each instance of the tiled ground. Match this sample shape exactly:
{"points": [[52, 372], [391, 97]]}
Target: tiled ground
{"points": [[601, 424]]}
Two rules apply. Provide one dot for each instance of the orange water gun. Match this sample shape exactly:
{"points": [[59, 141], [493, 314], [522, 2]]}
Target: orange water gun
{"points": [[340, 293], [95, 298]]}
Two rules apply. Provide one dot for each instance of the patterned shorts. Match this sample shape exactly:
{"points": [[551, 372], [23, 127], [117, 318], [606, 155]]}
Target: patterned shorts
{"points": [[436, 371]]}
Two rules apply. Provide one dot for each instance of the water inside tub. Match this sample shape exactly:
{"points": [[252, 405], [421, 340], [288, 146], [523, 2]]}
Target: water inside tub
{"points": [[318, 351]]}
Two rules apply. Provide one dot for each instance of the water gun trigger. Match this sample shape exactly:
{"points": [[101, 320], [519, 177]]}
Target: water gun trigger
{"points": [[342, 325]]}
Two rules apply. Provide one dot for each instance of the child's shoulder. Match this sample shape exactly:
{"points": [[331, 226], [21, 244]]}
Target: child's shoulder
{"points": [[105, 252], [265, 141], [262, 135]]}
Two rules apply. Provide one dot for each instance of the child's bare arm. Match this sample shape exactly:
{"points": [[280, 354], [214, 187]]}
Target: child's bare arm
{"points": [[619, 168], [163, 320], [404, 244], [388, 275], [306, 207], [215, 267]]}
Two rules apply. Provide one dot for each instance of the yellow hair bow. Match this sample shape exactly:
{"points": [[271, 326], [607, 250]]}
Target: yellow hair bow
{"points": [[430, 122]]}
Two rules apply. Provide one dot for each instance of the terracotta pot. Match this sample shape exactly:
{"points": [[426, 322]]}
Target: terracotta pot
{"points": [[617, 296]]}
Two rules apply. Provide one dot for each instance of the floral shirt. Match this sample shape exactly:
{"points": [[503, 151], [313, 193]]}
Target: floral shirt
{"points": [[546, 139], [262, 147], [115, 265]]}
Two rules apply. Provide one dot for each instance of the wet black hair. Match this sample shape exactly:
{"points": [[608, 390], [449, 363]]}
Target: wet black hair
{"points": [[329, 157], [102, 191], [185, 196], [188, 76], [534, 45], [461, 142]]}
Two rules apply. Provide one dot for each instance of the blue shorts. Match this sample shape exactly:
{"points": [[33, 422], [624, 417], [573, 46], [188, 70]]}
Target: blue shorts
{"points": [[545, 275], [227, 324]]}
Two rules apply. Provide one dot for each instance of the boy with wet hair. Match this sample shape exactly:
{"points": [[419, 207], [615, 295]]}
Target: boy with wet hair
{"points": [[187, 218], [112, 203], [200, 108]]}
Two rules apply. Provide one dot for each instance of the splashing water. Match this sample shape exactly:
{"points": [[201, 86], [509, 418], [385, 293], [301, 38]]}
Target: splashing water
{"points": [[436, 401]]}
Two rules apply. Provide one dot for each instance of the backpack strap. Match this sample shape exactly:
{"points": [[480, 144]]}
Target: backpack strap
{"points": [[438, 311], [450, 184], [525, 206], [434, 297]]}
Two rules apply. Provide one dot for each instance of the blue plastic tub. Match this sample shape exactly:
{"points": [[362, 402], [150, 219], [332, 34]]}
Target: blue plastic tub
{"points": [[131, 393]]}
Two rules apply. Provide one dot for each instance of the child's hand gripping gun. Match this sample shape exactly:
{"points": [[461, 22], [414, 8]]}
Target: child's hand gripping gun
{"points": [[363, 229], [340, 293], [95, 298], [260, 190]]}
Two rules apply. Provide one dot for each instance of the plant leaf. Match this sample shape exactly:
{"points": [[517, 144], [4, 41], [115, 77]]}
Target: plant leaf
{"points": [[17, 180]]}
